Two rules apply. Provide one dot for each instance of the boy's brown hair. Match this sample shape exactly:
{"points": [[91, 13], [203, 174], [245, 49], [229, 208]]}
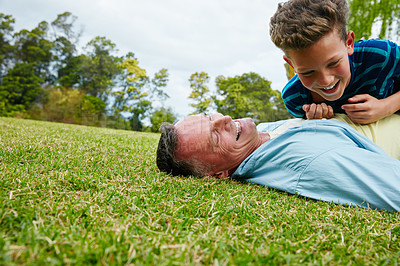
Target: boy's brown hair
{"points": [[298, 24]]}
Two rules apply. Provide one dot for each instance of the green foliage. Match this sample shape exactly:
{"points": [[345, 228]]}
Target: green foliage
{"points": [[132, 98], [161, 115], [70, 71], [33, 47], [99, 68], [19, 90], [249, 95], [383, 14], [159, 82], [93, 109], [71, 106], [60, 105], [6, 48], [68, 65], [200, 92], [73, 195]]}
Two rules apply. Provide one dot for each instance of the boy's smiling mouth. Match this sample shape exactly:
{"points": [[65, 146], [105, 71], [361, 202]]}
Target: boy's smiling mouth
{"points": [[330, 90]]}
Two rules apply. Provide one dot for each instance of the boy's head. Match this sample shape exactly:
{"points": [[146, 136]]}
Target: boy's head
{"points": [[297, 24], [313, 36]]}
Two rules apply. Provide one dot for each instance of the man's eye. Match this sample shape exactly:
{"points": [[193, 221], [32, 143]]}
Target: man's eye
{"points": [[216, 137]]}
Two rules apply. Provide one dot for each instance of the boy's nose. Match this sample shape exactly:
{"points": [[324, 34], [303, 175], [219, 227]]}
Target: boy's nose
{"points": [[325, 80]]}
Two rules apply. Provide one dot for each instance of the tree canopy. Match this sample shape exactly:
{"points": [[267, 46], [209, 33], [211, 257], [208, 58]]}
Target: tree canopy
{"points": [[44, 74]]}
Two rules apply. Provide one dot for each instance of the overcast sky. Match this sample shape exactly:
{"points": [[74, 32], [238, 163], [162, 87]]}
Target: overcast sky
{"points": [[219, 37]]}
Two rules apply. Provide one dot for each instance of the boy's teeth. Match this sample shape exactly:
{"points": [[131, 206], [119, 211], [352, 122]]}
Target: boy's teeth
{"points": [[329, 88]]}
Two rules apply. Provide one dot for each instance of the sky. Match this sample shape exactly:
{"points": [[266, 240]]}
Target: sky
{"points": [[219, 37]]}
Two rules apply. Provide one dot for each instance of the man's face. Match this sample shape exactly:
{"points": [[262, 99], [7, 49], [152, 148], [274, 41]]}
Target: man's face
{"points": [[324, 67], [216, 140]]}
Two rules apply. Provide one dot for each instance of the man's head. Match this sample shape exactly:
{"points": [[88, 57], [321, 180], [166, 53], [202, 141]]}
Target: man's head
{"points": [[207, 145], [312, 33]]}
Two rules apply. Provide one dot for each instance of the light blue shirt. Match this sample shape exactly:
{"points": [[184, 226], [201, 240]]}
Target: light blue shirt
{"points": [[325, 160]]}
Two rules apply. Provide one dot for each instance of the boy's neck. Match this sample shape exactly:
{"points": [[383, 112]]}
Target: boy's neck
{"points": [[316, 97]]}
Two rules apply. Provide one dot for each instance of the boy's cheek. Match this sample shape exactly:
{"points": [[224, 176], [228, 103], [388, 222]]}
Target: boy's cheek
{"points": [[306, 82]]}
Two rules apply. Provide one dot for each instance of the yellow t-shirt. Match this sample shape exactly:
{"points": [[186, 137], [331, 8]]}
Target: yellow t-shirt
{"points": [[384, 132]]}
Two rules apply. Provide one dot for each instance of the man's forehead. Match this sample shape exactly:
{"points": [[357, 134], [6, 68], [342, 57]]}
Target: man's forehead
{"points": [[195, 124], [193, 134]]}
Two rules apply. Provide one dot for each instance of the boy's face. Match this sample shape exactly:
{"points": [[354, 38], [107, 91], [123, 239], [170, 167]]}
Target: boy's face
{"points": [[324, 67]]}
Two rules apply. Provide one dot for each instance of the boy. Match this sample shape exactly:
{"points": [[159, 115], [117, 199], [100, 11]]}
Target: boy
{"points": [[333, 73]]}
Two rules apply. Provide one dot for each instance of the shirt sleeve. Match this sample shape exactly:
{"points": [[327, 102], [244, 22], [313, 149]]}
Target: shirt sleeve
{"points": [[294, 96]]}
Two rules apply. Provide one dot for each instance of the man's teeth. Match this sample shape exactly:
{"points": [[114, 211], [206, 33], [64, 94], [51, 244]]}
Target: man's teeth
{"points": [[238, 130]]}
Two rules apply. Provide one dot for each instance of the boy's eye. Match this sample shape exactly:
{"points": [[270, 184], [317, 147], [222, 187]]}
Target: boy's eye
{"points": [[307, 74], [334, 63]]}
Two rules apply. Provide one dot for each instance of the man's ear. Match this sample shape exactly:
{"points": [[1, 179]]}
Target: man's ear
{"points": [[221, 174], [350, 42], [287, 60]]}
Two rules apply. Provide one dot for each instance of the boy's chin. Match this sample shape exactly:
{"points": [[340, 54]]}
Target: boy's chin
{"points": [[331, 97]]}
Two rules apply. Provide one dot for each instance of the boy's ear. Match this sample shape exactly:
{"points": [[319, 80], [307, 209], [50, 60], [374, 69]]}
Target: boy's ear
{"points": [[350, 42], [288, 61]]}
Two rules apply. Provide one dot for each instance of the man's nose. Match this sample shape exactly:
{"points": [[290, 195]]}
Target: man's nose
{"points": [[222, 121]]}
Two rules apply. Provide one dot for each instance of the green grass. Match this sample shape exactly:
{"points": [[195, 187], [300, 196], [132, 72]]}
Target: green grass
{"points": [[81, 195]]}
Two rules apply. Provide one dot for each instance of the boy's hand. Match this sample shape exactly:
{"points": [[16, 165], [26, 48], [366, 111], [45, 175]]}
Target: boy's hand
{"points": [[365, 109], [318, 111]]}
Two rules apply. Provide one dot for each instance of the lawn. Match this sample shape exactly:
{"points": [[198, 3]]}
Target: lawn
{"points": [[83, 195]]}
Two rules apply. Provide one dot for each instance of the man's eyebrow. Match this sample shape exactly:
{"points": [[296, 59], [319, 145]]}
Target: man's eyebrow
{"points": [[211, 141]]}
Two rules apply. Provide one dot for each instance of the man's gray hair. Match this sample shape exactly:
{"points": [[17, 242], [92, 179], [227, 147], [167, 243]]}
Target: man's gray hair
{"points": [[166, 160]]}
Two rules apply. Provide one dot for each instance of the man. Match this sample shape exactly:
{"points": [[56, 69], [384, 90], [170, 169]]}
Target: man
{"points": [[320, 159]]}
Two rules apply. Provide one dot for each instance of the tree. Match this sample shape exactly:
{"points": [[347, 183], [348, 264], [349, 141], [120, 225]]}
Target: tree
{"points": [[33, 48], [200, 92], [67, 64], [6, 30], [384, 15], [132, 98], [92, 109], [19, 90], [99, 68], [161, 115], [159, 82], [249, 95]]}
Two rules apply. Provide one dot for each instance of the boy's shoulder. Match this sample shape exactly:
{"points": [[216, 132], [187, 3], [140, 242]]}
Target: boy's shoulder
{"points": [[373, 45], [293, 86], [372, 52]]}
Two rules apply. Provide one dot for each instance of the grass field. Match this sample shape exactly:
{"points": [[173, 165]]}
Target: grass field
{"points": [[81, 195]]}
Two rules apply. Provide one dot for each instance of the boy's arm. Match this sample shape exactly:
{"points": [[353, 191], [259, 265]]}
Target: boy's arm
{"points": [[365, 109]]}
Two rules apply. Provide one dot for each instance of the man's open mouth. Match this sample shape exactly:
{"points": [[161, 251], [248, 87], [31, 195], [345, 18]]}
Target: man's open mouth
{"points": [[238, 129]]}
